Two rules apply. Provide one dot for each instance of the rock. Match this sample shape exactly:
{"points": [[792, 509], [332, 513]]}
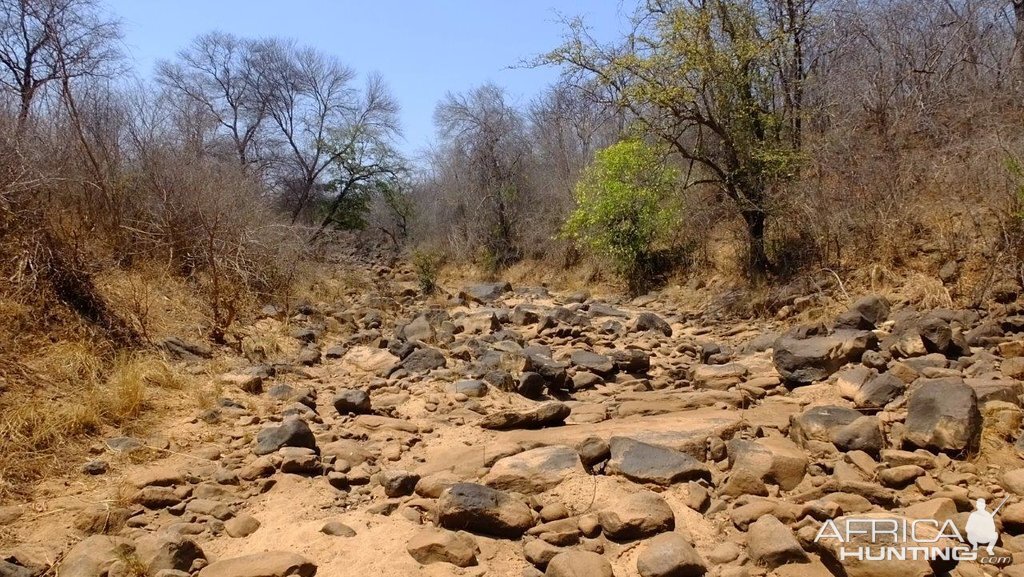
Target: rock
{"points": [[241, 525], [337, 529], [632, 361], [291, 433], [165, 550], [637, 516], [544, 415], [820, 423], [670, 555], [485, 292], [865, 314], [855, 537], [805, 361], [11, 570], [94, 556], [424, 360], [879, 391], [156, 497], [540, 552], [157, 477], [352, 401], [534, 471], [95, 467], [593, 450], [471, 388], [371, 360], [531, 385], [863, 434], [579, 564], [481, 509], [651, 322], [593, 362], [398, 483], [771, 543], [772, 460], [943, 415], [442, 546], [1013, 481], [266, 564], [645, 463]]}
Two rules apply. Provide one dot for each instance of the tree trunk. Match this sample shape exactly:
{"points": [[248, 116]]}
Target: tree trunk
{"points": [[1018, 45], [757, 258]]}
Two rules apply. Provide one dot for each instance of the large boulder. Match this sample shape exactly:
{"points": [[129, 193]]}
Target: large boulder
{"points": [[670, 555], [772, 544], [544, 415], [865, 314], [433, 545], [352, 401], [637, 516], [802, 361], [481, 509], [485, 292], [943, 415], [852, 537], [291, 433], [772, 460], [646, 463], [579, 564], [266, 564], [534, 471], [94, 556], [847, 429]]}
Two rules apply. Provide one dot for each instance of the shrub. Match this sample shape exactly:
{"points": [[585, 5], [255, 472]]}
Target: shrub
{"points": [[427, 265], [623, 209]]}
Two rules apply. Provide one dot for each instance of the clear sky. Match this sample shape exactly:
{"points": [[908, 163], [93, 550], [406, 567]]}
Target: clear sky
{"points": [[423, 48]]}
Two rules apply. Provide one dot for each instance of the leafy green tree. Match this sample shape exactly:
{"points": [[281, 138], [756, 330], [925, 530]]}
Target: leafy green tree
{"points": [[702, 76], [624, 208]]}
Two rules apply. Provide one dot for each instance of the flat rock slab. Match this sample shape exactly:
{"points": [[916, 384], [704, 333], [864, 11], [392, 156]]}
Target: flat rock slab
{"points": [[534, 471], [268, 564], [646, 463]]}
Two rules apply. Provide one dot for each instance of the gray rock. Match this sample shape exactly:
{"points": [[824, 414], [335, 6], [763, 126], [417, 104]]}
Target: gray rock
{"points": [[544, 415], [291, 433], [879, 391], [599, 364], [645, 463], [648, 321], [481, 509], [352, 401], [424, 360], [943, 415], [398, 483], [486, 292], [805, 361], [471, 388], [865, 314]]}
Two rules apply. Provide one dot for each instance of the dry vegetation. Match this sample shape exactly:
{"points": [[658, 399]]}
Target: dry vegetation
{"points": [[131, 211]]}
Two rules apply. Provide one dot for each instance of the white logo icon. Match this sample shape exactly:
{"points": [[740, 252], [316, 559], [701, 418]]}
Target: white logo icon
{"points": [[981, 526]]}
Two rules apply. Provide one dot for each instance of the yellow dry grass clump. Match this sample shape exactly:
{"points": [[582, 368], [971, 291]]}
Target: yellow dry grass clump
{"points": [[67, 392]]}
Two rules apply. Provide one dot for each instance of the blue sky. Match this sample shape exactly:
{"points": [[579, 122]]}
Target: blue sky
{"points": [[423, 48]]}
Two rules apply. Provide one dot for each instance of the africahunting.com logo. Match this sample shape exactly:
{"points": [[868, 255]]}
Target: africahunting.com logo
{"points": [[900, 539]]}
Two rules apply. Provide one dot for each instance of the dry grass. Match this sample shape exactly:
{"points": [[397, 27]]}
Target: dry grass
{"points": [[69, 392]]}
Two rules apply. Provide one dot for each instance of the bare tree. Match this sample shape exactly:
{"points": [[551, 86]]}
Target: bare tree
{"points": [[485, 154], [42, 41], [218, 73], [310, 100]]}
